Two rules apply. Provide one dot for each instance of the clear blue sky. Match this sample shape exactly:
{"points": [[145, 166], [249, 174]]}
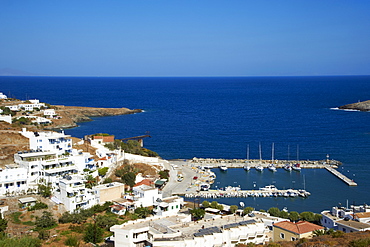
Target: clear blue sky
{"points": [[186, 38]]}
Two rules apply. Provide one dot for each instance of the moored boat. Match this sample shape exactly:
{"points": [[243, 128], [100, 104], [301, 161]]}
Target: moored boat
{"points": [[296, 167], [223, 168], [288, 167], [259, 168]]}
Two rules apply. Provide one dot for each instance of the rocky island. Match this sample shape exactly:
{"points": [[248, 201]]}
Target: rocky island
{"points": [[359, 106]]}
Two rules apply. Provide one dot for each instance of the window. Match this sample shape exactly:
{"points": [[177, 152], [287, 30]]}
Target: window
{"points": [[282, 235], [294, 239]]}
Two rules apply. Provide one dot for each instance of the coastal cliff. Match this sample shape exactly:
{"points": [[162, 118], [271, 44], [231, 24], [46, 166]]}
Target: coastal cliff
{"points": [[71, 115], [359, 106]]}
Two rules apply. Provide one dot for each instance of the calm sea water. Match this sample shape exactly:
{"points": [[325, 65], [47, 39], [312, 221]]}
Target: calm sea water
{"points": [[219, 117]]}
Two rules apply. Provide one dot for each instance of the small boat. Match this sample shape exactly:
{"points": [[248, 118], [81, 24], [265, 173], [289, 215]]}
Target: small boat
{"points": [[272, 168], [269, 188], [259, 168], [247, 168], [297, 167], [223, 168], [288, 167]]}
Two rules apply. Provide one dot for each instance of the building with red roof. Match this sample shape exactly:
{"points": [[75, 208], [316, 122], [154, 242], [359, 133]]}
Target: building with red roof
{"points": [[289, 231]]}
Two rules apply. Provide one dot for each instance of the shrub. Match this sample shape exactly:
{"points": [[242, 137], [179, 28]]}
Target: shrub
{"points": [[103, 171]]}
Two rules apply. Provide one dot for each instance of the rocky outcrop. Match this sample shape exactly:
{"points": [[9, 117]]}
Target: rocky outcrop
{"points": [[360, 106], [71, 115]]}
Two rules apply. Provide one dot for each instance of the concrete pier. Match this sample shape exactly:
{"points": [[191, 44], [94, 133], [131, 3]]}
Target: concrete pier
{"points": [[239, 163], [348, 181], [247, 193]]}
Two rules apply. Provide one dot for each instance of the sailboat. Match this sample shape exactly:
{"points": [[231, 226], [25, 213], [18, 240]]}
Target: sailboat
{"points": [[260, 167], [287, 166], [272, 167], [246, 166], [297, 166]]}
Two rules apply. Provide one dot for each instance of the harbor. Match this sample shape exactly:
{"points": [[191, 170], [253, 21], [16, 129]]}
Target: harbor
{"points": [[197, 176]]}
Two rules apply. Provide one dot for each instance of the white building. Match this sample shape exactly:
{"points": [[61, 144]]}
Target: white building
{"points": [[34, 103], [180, 231], [331, 218], [13, 181], [73, 193], [3, 96], [49, 113], [49, 141], [168, 206], [13, 107], [45, 166], [145, 196]]}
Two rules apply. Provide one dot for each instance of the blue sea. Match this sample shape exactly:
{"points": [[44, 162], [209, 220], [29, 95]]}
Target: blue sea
{"points": [[217, 117]]}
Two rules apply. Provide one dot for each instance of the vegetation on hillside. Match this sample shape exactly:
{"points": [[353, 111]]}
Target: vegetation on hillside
{"points": [[132, 147]]}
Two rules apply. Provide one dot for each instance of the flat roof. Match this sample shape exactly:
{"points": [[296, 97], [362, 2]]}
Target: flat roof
{"points": [[27, 200], [108, 186], [354, 224]]}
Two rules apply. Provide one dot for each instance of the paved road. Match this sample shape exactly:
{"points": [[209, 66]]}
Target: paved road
{"points": [[186, 185]]}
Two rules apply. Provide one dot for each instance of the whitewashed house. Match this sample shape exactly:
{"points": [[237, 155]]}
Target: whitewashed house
{"points": [[50, 113], [49, 141], [331, 218], [145, 196], [13, 181], [3, 96], [168, 206], [13, 107], [180, 231], [73, 193]]}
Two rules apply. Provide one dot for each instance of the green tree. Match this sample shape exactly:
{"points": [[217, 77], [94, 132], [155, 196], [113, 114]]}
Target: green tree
{"points": [[247, 210], [106, 221], [93, 234], [233, 209], [43, 234], [107, 181], [129, 179], [165, 174], [274, 211], [142, 212], [307, 216], [294, 216], [205, 204], [45, 221], [284, 214], [90, 181], [214, 204], [103, 171], [44, 190], [197, 213]]}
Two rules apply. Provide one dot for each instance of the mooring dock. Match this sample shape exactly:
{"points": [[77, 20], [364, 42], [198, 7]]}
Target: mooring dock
{"points": [[327, 164], [248, 193], [348, 181]]}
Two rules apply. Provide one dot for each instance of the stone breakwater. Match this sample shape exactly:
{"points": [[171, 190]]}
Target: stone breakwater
{"points": [[239, 163]]}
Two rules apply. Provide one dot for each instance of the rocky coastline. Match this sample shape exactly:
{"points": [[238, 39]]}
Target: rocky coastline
{"points": [[69, 116], [359, 106]]}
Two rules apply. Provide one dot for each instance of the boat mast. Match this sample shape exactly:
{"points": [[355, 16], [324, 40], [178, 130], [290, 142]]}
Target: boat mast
{"points": [[272, 153], [260, 151]]}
